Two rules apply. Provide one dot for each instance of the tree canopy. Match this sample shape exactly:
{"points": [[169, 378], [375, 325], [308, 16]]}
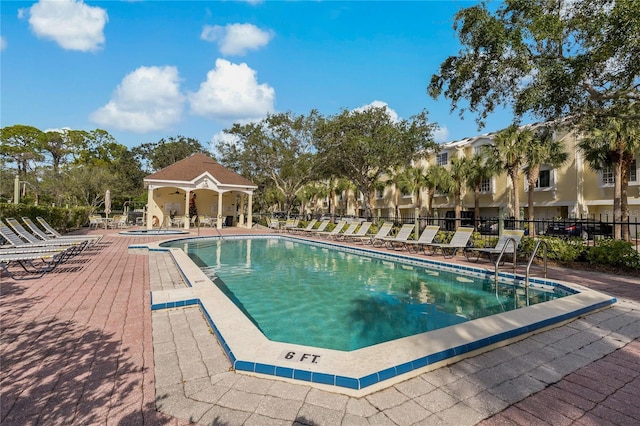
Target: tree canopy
{"points": [[275, 151], [363, 145], [550, 58]]}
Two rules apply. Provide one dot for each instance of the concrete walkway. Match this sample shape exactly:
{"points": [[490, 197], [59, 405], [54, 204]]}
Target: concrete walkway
{"points": [[81, 346]]}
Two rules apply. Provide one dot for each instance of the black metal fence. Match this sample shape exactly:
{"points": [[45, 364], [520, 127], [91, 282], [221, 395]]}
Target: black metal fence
{"points": [[590, 229]]}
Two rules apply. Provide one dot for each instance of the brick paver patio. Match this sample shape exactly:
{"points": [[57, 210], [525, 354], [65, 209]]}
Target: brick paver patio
{"points": [[77, 348]]}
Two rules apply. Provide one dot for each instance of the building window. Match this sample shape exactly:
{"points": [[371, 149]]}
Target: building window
{"points": [[442, 159], [379, 193], [485, 185], [544, 179], [607, 175]]}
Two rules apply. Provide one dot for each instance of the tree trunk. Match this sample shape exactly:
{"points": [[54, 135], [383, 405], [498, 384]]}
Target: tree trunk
{"points": [[515, 179], [617, 200], [458, 208], [624, 205], [532, 177], [476, 205]]}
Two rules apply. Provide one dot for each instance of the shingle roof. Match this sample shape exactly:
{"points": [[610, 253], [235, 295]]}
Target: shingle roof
{"points": [[191, 167]]}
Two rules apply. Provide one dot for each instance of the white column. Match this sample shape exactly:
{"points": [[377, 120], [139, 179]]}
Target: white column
{"points": [[250, 209], [220, 212], [150, 199], [187, 218]]}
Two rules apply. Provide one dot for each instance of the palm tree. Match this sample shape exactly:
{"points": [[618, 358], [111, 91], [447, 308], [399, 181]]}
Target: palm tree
{"points": [[480, 169], [614, 143], [543, 149], [508, 152], [458, 171], [394, 180], [437, 178], [410, 180]]}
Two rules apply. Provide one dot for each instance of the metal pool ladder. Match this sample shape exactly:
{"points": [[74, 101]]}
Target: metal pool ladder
{"points": [[528, 269], [504, 247], [533, 255]]}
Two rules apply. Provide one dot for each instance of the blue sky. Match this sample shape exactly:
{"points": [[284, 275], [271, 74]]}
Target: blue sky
{"points": [[146, 70]]}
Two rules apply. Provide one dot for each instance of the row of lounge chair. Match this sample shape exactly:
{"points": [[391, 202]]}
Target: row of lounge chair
{"points": [[426, 242], [39, 250]]}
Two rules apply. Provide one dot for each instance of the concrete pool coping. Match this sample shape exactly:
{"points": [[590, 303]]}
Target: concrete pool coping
{"points": [[358, 373]]}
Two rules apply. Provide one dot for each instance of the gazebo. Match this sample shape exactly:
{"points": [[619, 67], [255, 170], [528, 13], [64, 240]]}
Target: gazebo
{"points": [[198, 183]]}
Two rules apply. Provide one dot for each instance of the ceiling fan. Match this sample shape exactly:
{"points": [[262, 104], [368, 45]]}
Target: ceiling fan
{"points": [[176, 193]]}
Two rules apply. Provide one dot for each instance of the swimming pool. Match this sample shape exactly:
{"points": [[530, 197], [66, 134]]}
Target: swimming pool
{"points": [[361, 371], [299, 292]]}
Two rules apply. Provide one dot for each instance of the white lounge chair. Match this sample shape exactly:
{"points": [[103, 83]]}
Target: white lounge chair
{"points": [[427, 237], [459, 241], [505, 242], [379, 237], [336, 230], [323, 225], [360, 233], [35, 263], [307, 228], [93, 239], [17, 236], [400, 239], [348, 232]]}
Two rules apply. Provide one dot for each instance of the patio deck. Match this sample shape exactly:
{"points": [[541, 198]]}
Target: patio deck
{"points": [[81, 346]]}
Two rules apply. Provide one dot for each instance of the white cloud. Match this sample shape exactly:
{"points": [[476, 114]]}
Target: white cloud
{"points": [[236, 39], [147, 99], [220, 137], [379, 104], [441, 134], [70, 23], [232, 93]]}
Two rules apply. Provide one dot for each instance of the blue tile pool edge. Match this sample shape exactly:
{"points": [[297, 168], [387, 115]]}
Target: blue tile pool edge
{"points": [[380, 376]]}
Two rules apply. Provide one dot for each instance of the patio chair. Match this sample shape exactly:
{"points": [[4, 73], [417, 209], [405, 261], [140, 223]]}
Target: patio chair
{"points": [[95, 222], [14, 241], [336, 230], [505, 242], [45, 237], [400, 238], [55, 234], [360, 233], [378, 238], [204, 220], [290, 225], [459, 241], [427, 236], [309, 227], [34, 263], [347, 232], [323, 225], [119, 221], [274, 224]]}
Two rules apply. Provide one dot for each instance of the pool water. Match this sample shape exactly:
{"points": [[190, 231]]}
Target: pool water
{"points": [[301, 293]]}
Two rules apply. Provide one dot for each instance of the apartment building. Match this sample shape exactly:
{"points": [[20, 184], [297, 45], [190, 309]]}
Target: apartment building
{"points": [[571, 190]]}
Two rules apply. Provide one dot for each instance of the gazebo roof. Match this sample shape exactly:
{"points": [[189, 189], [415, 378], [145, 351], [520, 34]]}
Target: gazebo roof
{"points": [[196, 165]]}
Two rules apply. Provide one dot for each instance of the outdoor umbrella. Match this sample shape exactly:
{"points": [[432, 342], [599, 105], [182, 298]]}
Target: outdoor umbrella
{"points": [[107, 207]]}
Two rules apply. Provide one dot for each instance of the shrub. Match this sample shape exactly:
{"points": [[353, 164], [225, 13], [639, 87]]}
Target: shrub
{"points": [[62, 219], [559, 249], [614, 253]]}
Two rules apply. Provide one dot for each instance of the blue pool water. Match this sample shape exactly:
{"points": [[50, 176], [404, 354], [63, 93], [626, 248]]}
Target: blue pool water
{"points": [[301, 293]]}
